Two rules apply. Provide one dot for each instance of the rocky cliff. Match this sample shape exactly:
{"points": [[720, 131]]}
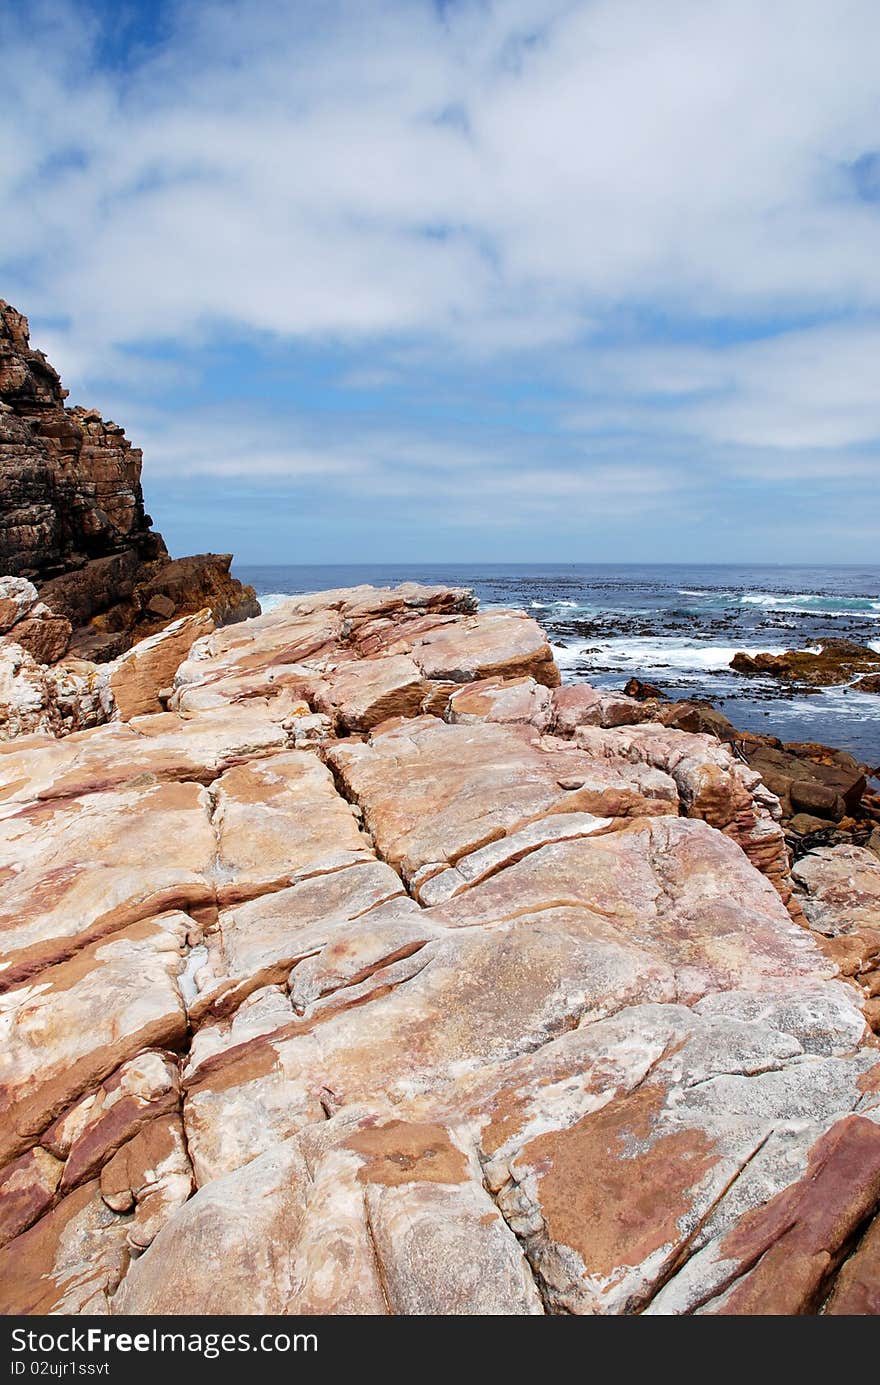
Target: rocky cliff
{"points": [[381, 974], [72, 515]]}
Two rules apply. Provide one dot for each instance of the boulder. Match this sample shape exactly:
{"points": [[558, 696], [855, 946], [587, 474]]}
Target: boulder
{"points": [[642, 692], [43, 634], [803, 785], [513, 700], [839, 888], [138, 676], [17, 598]]}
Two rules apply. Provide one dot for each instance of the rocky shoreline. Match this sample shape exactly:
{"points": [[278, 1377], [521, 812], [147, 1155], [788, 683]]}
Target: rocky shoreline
{"points": [[352, 963], [378, 969]]}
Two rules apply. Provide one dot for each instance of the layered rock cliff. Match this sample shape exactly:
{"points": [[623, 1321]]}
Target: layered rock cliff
{"points": [[380, 975], [72, 515]]}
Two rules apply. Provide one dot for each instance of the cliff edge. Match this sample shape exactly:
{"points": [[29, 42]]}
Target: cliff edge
{"points": [[72, 516]]}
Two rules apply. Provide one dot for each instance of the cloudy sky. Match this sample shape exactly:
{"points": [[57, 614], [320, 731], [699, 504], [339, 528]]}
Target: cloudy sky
{"points": [[593, 280]]}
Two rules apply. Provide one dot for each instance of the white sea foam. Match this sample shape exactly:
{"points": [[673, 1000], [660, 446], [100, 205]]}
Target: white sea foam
{"points": [[702, 591], [809, 603], [567, 656], [271, 601], [647, 652]]}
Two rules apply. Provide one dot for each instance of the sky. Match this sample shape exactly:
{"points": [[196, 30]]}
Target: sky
{"points": [[462, 280]]}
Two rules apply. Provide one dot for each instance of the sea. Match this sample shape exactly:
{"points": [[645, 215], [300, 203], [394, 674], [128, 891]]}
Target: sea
{"points": [[676, 626]]}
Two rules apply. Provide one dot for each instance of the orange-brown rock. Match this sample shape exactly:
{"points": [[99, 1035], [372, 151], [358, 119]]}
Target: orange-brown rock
{"points": [[381, 975], [521, 701], [91, 1130], [836, 661], [785, 1254], [68, 1030], [72, 519], [150, 1176], [27, 1189], [137, 677]]}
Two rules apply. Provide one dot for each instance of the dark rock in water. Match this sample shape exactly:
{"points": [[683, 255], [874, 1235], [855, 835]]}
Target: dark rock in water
{"points": [[642, 691], [72, 517], [838, 661], [870, 683]]}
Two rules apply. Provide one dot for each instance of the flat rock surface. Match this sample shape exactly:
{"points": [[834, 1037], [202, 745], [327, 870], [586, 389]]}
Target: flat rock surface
{"points": [[381, 975]]}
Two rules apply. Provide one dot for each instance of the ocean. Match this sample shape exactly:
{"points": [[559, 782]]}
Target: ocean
{"points": [[675, 626]]}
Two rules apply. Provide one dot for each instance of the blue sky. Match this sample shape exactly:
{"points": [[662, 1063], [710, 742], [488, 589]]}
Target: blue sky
{"points": [[402, 280]]}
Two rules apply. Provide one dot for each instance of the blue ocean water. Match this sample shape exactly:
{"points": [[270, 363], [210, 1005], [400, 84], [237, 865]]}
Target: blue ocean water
{"points": [[675, 626]]}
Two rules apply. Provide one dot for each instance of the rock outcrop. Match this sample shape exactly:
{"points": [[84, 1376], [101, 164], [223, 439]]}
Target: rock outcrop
{"points": [[72, 519], [378, 975], [835, 661], [824, 795]]}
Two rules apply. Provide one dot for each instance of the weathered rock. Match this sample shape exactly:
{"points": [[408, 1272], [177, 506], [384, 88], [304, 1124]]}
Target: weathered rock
{"points": [[18, 596], [374, 1218], [365, 692], [642, 692], [515, 700], [837, 661], [488, 1006], [43, 634], [804, 825], [803, 785], [840, 889], [137, 678], [258, 943], [27, 1189], [71, 1028], [364, 654], [610, 1150], [857, 1288], [432, 792], [497, 644], [163, 746], [27, 695], [151, 1176], [76, 871], [580, 705], [712, 785], [701, 719], [781, 1258], [69, 1262], [92, 1130], [72, 519], [279, 820]]}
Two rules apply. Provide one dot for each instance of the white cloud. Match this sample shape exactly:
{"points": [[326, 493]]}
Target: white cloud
{"points": [[547, 179], [281, 165]]}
